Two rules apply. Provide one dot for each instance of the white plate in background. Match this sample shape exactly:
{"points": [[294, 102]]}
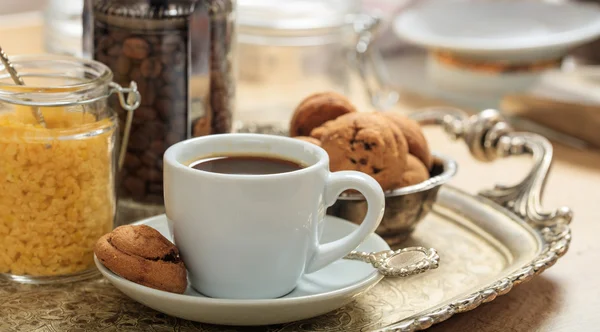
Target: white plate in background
{"points": [[484, 40], [499, 26]]}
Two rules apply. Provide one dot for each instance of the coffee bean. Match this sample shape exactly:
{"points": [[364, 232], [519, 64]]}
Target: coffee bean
{"points": [[136, 76], [163, 106], [149, 174], [149, 158], [143, 173], [121, 79], [132, 161], [167, 92], [152, 129], [137, 141], [135, 186], [148, 92], [158, 147], [119, 35], [104, 43], [155, 188], [136, 48], [142, 84], [105, 59], [114, 50], [151, 68], [123, 174], [134, 126], [153, 39], [145, 113], [122, 65]]}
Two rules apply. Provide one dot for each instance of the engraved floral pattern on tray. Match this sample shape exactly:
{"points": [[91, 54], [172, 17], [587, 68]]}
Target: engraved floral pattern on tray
{"points": [[98, 305]]}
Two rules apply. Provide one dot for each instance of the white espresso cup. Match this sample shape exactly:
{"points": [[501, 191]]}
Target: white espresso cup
{"points": [[254, 236]]}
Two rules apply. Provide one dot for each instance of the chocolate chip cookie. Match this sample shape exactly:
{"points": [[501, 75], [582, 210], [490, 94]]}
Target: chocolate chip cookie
{"points": [[415, 172], [317, 109], [417, 144], [365, 142], [142, 255]]}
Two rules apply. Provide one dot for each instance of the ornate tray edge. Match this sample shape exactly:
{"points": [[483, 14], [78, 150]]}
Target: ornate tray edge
{"points": [[555, 243], [489, 137]]}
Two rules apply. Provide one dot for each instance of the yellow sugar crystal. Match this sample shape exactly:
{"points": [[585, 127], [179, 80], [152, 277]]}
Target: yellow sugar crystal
{"points": [[56, 192]]}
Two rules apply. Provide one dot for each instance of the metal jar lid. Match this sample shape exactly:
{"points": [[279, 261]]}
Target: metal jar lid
{"points": [[145, 9]]}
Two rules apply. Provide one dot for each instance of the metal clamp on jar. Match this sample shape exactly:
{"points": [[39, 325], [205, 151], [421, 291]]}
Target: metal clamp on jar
{"points": [[58, 165], [291, 49]]}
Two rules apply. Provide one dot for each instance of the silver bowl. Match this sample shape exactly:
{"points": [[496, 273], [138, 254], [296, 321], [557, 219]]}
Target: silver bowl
{"points": [[404, 207]]}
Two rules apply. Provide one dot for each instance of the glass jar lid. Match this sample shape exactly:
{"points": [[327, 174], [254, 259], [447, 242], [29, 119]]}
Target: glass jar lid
{"points": [[294, 15]]}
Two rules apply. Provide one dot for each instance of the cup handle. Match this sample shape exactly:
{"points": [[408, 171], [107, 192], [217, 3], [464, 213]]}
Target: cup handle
{"points": [[337, 183]]}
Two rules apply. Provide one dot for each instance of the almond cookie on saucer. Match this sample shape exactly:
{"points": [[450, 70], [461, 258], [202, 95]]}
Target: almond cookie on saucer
{"points": [[365, 142], [317, 109], [142, 255]]}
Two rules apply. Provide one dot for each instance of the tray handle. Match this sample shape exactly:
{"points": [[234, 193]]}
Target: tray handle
{"points": [[489, 137]]}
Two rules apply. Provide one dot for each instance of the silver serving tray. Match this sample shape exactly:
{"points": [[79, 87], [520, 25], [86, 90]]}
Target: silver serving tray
{"points": [[484, 250], [487, 244]]}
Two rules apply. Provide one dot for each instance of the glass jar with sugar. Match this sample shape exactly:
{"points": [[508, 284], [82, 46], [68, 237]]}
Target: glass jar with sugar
{"points": [[57, 177]]}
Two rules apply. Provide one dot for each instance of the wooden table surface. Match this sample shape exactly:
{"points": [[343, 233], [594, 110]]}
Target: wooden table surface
{"points": [[564, 298]]}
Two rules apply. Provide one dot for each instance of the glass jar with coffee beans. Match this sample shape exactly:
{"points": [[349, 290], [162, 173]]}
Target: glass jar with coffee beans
{"points": [[180, 52]]}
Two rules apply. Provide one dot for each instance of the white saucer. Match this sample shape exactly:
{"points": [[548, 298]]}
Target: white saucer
{"points": [[499, 26], [317, 293]]}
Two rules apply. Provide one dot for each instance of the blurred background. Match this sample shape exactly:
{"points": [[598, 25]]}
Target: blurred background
{"points": [[19, 6], [63, 10], [393, 74]]}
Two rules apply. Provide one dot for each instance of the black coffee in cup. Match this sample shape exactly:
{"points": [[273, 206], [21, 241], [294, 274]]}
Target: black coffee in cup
{"points": [[246, 164]]}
